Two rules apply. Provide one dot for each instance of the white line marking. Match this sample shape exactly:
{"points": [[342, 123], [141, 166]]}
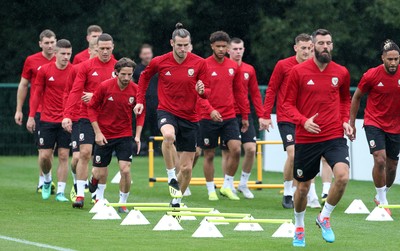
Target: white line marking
{"points": [[35, 243]]}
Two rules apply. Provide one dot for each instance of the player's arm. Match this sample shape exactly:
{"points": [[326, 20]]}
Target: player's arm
{"points": [[93, 113], [21, 96], [203, 78], [206, 106], [241, 100], [345, 105], [355, 105], [35, 97], [144, 81]]}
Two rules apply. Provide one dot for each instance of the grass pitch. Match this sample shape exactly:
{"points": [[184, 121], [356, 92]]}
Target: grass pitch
{"points": [[25, 216]]}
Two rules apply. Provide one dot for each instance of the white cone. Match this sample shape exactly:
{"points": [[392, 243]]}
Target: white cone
{"points": [[286, 230], [166, 223], [207, 229], [248, 226], [98, 206], [379, 214], [117, 178], [135, 217], [187, 217], [357, 207], [215, 211], [106, 213]]}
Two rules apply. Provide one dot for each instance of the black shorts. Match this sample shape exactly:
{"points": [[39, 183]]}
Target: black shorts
{"points": [[287, 131], [52, 133], [211, 130], [185, 131], [123, 148], [37, 129], [75, 137], [245, 137], [86, 133], [307, 157], [381, 140]]}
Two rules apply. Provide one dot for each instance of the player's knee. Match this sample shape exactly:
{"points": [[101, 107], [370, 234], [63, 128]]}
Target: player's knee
{"points": [[169, 138], [198, 152], [302, 190], [125, 170], [235, 151], [85, 154], [250, 151], [342, 178], [379, 159], [209, 156], [186, 170]]}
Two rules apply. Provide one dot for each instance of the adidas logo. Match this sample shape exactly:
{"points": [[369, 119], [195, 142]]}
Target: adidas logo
{"points": [[110, 98], [380, 84], [310, 82], [95, 74], [214, 74], [168, 73], [51, 78]]}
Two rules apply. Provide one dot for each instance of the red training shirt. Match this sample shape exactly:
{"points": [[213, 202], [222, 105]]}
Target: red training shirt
{"points": [[31, 66], [112, 108], [310, 91], [68, 88], [176, 84], [383, 102], [248, 78], [276, 89], [90, 74], [81, 56], [226, 89], [50, 85]]}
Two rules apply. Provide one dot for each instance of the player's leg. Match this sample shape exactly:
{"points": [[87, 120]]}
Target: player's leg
{"points": [[101, 159], [326, 177], [36, 140], [287, 132], [75, 157], [312, 197], [232, 164], [392, 158], [63, 144], [124, 149]]}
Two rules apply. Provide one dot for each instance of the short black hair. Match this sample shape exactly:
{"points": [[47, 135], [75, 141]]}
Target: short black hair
{"points": [[124, 62], [236, 40], [322, 32], [219, 36], [63, 43], [46, 33], [389, 45], [105, 37]]}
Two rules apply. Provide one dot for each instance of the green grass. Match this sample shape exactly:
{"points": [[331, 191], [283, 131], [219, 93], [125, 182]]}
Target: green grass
{"points": [[24, 215]]}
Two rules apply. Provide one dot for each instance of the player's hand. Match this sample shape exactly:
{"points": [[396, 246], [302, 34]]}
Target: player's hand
{"points": [[31, 125], [310, 126], [138, 109], [87, 96], [18, 118], [200, 87], [265, 124], [67, 124], [137, 140], [349, 131], [245, 125], [216, 116], [100, 139]]}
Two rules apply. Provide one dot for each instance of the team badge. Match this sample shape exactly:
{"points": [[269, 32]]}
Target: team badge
{"points": [[299, 173], [335, 81], [81, 137], [190, 72], [289, 138], [206, 142], [131, 99], [231, 71], [246, 76], [41, 141], [163, 120], [74, 144], [98, 159], [372, 144]]}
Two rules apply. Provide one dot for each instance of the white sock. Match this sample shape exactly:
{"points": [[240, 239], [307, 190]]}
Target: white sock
{"points": [[61, 187], [381, 195], [299, 219], [326, 211], [244, 178], [210, 186], [228, 180], [171, 174], [288, 188], [47, 177], [312, 193], [100, 191], [74, 177], [80, 187], [325, 187], [387, 189], [176, 200], [123, 197], [41, 180]]}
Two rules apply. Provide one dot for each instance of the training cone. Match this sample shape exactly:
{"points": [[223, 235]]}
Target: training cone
{"points": [[357, 207], [286, 230], [98, 206], [207, 230], [379, 214], [215, 211], [187, 217], [117, 178], [135, 217], [167, 222], [106, 213], [248, 226]]}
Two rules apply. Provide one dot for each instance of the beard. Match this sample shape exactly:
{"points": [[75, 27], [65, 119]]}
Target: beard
{"points": [[323, 58], [391, 70]]}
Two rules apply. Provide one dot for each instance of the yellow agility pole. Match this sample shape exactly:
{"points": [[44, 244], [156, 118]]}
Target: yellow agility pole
{"points": [[173, 209], [272, 221], [232, 215], [389, 206], [139, 204]]}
